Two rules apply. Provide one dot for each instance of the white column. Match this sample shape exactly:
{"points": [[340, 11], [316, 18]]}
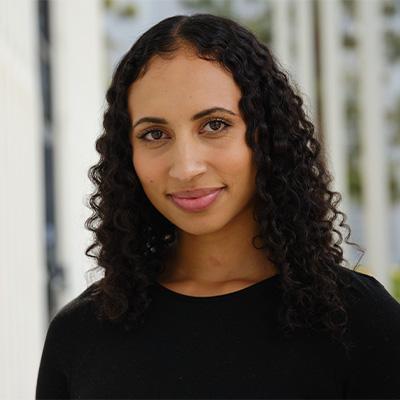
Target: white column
{"points": [[78, 92], [374, 151], [22, 235], [306, 55], [332, 102], [280, 32]]}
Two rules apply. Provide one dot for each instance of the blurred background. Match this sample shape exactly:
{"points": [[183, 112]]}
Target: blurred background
{"points": [[56, 62]]}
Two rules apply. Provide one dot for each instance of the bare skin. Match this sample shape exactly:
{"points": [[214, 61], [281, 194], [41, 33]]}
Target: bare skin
{"points": [[176, 278], [214, 254]]}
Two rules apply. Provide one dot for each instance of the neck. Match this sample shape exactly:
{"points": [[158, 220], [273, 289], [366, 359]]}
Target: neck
{"points": [[217, 258]]}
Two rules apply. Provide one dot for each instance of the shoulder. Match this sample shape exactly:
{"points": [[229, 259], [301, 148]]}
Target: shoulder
{"points": [[374, 314], [374, 330], [73, 328], [365, 289], [78, 310], [71, 333], [370, 302]]}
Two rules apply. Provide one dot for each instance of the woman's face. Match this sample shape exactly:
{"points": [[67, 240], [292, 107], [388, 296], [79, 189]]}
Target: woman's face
{"points": [[183, 152]]}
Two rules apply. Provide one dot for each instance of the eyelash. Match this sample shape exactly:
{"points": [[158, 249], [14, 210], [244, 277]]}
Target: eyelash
{"points": [[144, 133]]}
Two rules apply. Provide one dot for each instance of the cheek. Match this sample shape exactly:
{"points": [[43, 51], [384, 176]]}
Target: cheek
{"points": [[238, 163], [146, 170]]}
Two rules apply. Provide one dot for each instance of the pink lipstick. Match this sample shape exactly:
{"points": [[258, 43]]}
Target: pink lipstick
{"points": [[196, 203]]}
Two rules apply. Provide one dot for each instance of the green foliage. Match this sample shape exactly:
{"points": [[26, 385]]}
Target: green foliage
{"points": [[392, 37], [389, 8], [128, 11], [349, 7], [393, 115], [392, 45], [395, 281], [354, 179], [394, 187], [349, 41], [108, 4], [122, 10]]}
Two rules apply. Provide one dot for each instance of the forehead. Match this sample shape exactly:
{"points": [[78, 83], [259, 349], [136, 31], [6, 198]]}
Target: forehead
{"points": [[182, 82]]}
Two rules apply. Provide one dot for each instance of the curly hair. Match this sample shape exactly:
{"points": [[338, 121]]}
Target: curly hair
{"points": [[295, 209]]}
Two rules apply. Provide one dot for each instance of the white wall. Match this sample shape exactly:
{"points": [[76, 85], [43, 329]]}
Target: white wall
{"points": [[78, 89], [22, 235]]}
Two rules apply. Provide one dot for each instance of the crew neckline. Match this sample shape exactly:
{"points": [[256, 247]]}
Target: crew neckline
{"points": [[181, 296]]}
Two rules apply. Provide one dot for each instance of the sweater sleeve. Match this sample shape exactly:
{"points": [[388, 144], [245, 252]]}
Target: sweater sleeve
{"points": [[51, 379], [374, 369]]}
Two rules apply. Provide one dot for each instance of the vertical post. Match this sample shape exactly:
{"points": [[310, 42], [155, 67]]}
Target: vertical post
{"points": [[22, 257], [373, 139], [280, 32], [77, 65], [306, 55], [332, 99]]}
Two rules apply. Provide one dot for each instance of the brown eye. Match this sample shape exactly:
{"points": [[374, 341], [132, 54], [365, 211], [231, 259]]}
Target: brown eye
{"points": [[155, 136], [215, 124]]}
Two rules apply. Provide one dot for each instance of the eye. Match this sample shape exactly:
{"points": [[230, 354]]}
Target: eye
{"points": [[217, 123], [150, 131], [157, 133]]}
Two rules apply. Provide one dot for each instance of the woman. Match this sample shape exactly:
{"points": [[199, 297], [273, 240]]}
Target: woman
{"points": [[214, 226]]}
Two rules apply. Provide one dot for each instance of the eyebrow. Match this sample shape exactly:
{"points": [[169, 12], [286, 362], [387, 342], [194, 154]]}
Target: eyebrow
{"points": [[194, 117]]}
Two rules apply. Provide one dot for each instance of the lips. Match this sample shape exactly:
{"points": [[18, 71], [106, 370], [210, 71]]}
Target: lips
{"points": [[191, 194], [197, 203]]}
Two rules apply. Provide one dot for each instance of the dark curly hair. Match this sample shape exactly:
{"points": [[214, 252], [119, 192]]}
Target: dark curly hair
{"points": [[295, 209]]}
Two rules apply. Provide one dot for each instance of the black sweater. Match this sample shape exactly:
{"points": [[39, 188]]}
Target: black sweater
{"points": [[224, 346]]}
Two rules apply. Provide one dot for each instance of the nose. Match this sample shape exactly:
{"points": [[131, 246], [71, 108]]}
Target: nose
{"points": [[187, 160]]}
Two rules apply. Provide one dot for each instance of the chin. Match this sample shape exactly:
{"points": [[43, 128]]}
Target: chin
{"points": [[200, 225]]}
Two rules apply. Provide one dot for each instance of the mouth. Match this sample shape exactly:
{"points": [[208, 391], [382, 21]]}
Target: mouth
{"points": [[194, 193], [200, 203]]}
